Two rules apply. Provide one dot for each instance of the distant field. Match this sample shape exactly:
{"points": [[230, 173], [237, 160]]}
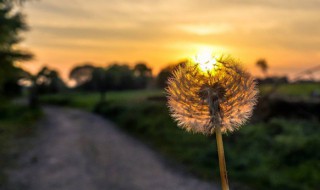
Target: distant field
{"points": [[89, 100], [295, 90], [278, 154]]}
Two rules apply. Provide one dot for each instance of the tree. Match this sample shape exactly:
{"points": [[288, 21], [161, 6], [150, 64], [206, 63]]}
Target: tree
{"points": [[100, 81], [165, 73], [12, 23], [82, 74], [11, 86], [121, 77], [48, 81], [44, 82], [262, 64], [143, 74]]}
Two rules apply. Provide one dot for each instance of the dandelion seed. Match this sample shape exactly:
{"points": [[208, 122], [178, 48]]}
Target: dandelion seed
{"points": [[225, 83]]}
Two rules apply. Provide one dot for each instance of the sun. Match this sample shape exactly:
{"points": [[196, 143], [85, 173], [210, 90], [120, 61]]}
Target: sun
{"points": [[205, 60]]}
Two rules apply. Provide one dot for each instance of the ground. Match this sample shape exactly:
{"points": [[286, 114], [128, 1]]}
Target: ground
{"points": [[77, 150]]}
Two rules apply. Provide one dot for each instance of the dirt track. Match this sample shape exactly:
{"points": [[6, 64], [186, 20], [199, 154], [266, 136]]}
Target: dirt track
{"points": [[77, 150]]}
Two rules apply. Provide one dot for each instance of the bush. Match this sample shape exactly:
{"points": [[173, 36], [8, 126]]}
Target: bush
{"points": [[16, 122], [280, 154]]}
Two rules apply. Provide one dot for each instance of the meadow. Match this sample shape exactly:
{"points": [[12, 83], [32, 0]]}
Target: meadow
{"points": [[280, 153], [301, 91]]}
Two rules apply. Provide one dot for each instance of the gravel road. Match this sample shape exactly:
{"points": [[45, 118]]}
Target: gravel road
{"points": [[77, 150]]}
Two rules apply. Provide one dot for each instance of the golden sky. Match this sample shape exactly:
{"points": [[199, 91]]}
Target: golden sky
{"points": [[65, 33]]}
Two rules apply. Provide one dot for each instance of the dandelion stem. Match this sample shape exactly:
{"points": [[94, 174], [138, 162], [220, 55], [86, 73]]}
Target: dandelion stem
{"points": [[222, 162], [213, 101]]}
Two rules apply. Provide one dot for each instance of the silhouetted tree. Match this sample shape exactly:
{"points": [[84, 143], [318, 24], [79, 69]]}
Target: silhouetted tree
{"points": [[100, 82], [11, 86], [143, 74], [49, 81], [121, 77], [165, 73], [11, 24], [82, 74], [262, 64], [114, 77], [45, 81]]}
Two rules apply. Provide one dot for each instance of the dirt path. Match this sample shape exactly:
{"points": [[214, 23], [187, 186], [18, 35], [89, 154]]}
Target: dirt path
{"points": [[77, 150]]}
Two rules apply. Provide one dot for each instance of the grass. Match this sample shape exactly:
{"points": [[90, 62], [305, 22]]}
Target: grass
{"points": [[278, 154], [16, 123], [294, 90], [88, 101]]}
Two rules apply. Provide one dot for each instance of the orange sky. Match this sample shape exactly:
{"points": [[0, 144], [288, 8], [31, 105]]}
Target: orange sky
{"points": [[159, 32]]}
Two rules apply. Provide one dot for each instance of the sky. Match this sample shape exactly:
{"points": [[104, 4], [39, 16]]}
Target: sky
{"points": [[162, 32]]}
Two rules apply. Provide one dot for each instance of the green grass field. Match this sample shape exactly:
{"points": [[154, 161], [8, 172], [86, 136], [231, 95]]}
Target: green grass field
{"points": [[294, 90], [278, 154], [87, 101]]}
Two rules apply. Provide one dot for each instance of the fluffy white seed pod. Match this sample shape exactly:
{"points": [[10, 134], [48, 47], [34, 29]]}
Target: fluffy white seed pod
{"points": [[200, 100]]}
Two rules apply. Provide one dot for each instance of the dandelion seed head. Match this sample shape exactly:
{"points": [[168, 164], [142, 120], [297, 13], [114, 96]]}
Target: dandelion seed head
{"points": [[191, 90]]}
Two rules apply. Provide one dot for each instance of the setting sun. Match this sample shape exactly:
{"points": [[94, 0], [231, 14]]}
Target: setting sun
{"points": [[205, 59]]}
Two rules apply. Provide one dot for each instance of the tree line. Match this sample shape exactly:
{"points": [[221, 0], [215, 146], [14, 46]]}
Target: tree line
{"points": [[118, 76], [88, 77]]}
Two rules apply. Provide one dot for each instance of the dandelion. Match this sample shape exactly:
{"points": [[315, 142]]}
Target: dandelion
{"points": [[211, 94]]}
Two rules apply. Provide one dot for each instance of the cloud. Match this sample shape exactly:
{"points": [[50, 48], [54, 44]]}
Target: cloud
{"points": [[48, 8], [273, 4], [163, 28]]}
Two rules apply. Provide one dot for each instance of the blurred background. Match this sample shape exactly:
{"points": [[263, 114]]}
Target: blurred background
{"points": [[114, 57]]}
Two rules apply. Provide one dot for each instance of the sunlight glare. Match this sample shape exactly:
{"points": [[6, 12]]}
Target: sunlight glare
{"points": [[205, 59]]}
